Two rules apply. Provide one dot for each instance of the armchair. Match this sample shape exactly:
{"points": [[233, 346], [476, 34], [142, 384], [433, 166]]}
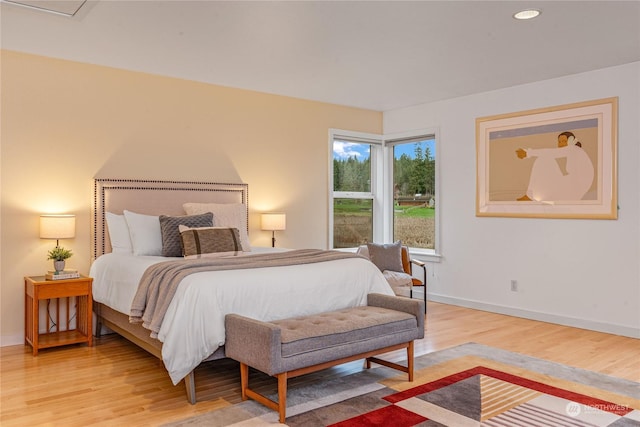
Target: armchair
{"points": [[404, 278]]}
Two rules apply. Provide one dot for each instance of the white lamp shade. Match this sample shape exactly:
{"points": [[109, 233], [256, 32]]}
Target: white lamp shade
{"points": [[57, 226], [274, 221]]}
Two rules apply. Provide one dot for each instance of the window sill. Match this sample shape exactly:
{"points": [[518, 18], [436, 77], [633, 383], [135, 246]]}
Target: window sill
{"points": [[427, 255]]}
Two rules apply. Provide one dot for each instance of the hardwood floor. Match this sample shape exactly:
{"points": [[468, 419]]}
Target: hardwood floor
{"points": [[116, 383]]}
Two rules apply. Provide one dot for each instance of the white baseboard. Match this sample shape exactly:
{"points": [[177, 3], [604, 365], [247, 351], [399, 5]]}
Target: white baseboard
{"points": [[8, 340], [609, 328]]}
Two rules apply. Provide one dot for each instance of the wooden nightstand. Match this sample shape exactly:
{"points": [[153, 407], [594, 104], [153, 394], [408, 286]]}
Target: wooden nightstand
{"points": [[60, 293]]}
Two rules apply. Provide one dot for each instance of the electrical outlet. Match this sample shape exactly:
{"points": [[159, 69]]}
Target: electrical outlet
{"points": [[514, 285]]}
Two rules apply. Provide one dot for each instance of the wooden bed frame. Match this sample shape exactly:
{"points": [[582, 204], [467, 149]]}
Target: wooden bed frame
{"points": [[151, 198]]}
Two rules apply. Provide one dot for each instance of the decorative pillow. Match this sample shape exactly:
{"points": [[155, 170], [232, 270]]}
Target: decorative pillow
{"points": [[386, 256], [210, 242], [144, 230], [232, 215], [171, 243], [118, 233]]}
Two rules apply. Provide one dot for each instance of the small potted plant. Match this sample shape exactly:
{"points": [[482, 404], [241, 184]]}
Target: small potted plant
{"points": [[59, 255]]}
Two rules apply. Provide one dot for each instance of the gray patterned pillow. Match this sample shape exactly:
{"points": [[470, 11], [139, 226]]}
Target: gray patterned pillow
{"points": [[387, 256], [210, 242], [171, 245]]}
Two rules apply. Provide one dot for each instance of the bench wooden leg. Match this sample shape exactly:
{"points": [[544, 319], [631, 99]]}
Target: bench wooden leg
{"points": [[281, 405], [410, 360], [282, 396], [247, 393], [244, 379], [408, 369]]}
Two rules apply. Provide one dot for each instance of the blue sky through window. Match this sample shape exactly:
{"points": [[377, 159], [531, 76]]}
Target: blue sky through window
{"points": [[344, 150]]}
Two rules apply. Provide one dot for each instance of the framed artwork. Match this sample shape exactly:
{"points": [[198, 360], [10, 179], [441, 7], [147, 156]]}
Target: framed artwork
{"points": [[556, 162]]}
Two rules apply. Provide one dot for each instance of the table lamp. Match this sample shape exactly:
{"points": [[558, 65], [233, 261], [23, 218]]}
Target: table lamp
{"points": [[274, 221], [57, 227]]}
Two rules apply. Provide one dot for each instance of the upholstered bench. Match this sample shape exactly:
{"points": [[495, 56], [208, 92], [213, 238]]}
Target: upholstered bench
{"points": [[291, 347]]}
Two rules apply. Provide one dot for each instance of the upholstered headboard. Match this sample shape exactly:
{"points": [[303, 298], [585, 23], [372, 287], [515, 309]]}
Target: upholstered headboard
{"points": [[154, 198]]}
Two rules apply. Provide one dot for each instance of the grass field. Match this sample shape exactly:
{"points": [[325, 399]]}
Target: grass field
{"points": [[415, 226], [414, 212]]}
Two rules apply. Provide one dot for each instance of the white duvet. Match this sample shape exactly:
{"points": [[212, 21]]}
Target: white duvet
{"points": [[193, 327]]}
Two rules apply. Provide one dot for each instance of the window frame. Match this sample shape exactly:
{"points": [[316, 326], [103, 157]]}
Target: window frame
{"points": [[389, 141], [376, 189], [381, 186]]}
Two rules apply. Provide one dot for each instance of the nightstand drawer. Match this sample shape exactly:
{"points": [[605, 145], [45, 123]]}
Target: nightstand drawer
{"points": [[51, 290]]}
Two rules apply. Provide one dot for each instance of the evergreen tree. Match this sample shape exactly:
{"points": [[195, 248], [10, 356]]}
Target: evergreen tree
{"points": [[417, 178]]}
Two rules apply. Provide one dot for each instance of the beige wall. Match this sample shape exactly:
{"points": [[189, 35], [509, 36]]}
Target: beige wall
{"points": [[64, 123]]}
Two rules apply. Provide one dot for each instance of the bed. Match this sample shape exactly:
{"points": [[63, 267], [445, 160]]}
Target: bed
{"points": [[191, 329]]}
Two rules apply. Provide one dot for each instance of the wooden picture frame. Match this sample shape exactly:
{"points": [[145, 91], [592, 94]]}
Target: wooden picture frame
{"points": [[555, 162]]}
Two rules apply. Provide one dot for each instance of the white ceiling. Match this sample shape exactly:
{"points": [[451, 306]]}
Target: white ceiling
{"points": [[379, 55]]}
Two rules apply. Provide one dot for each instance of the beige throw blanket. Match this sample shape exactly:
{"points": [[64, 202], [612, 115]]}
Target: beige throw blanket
{"points": [[159, 282]]}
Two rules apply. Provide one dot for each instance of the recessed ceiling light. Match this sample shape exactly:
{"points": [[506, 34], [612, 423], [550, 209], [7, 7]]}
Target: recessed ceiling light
{"points": [[527, 14]]}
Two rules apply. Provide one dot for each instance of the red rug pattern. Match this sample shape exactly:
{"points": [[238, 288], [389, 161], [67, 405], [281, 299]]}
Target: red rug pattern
{"points": [[483, 396]]}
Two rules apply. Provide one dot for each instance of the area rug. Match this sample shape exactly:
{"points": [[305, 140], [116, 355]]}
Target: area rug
{"points": [[467, 385]]}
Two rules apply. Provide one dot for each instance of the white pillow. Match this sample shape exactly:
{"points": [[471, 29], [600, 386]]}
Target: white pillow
{"points": [[232, 215], [144, 230], [118, 233]]}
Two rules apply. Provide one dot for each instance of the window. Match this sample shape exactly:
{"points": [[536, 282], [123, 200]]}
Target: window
{"points": [[383, 189], [354, 191], [414, 191]]}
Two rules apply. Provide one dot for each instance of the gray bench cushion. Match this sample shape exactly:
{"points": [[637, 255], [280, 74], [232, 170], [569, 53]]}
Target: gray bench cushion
{"points": [[325, 330]]}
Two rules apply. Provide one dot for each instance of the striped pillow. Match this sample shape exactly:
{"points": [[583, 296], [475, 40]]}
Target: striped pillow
{"points": [[210, 242], [171, 245]]}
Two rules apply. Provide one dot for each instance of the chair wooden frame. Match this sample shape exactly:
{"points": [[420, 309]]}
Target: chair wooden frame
{"points": [[407, 265]]}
